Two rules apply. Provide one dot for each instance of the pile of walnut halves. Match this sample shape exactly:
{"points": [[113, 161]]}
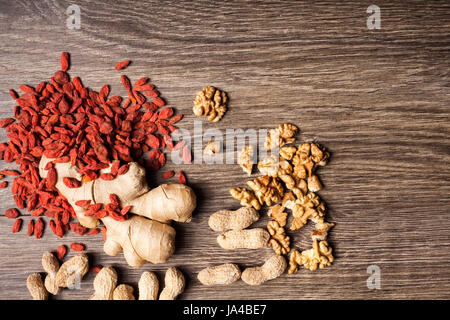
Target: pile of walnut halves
{"points": [[289, 182]]}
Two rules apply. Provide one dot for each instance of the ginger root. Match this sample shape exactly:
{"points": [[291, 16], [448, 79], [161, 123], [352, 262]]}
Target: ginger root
{"points": [[141, 239], [164, 203]]}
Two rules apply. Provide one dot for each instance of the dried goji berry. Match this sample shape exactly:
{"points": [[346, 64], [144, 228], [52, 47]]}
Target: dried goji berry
{"points": [[165, 113], [13, 94], [158, 101], [138, 87], [141, 81], [115, 167], [82, 203], [114, 199], [162, 160], [104, 92], [151, 93], [125, 210], [38, 228], [30, 227], [181, 177], [38, 212], [26, 88], [93, 231], [12, 213], [152, 141], [126, 83], [64, 61], [107, 176], [77, 246], [6, 122], [17, 225], [122, 65], [123, 169], [117, 216], [96, 269], [168, 174], [10, 172], [78, 228], [100, 214], [175, 119], [71, 182], [52, 178], [61, 252]]}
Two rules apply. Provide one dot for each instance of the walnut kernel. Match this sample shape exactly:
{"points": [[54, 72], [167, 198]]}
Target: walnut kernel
{"points": [[267, 189], [280, 136], [246, 197], [286, 153], [278, 214], [321, 230], [210, 102], [307, 157], [307, 207], [314, 184], [269, 166], [319, 256], [279, 241], [245, 159], [212, 148]]}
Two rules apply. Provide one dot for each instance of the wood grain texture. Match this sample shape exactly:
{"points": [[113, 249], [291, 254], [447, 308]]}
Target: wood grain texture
{"points": [[377, 99]]}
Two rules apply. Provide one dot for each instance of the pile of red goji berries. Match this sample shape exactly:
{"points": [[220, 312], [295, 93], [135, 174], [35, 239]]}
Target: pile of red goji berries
{"points": [[63, 119]]}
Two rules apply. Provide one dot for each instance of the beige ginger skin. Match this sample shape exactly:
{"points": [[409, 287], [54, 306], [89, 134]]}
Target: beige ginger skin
{"points": [[239, 219], [223, 274], [143, 237]]}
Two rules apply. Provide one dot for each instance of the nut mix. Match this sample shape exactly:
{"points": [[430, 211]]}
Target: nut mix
{"points": [[288, 182]]}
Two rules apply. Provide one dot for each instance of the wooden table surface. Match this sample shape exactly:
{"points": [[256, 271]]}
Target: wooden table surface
{"points": [[377, 99]]}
